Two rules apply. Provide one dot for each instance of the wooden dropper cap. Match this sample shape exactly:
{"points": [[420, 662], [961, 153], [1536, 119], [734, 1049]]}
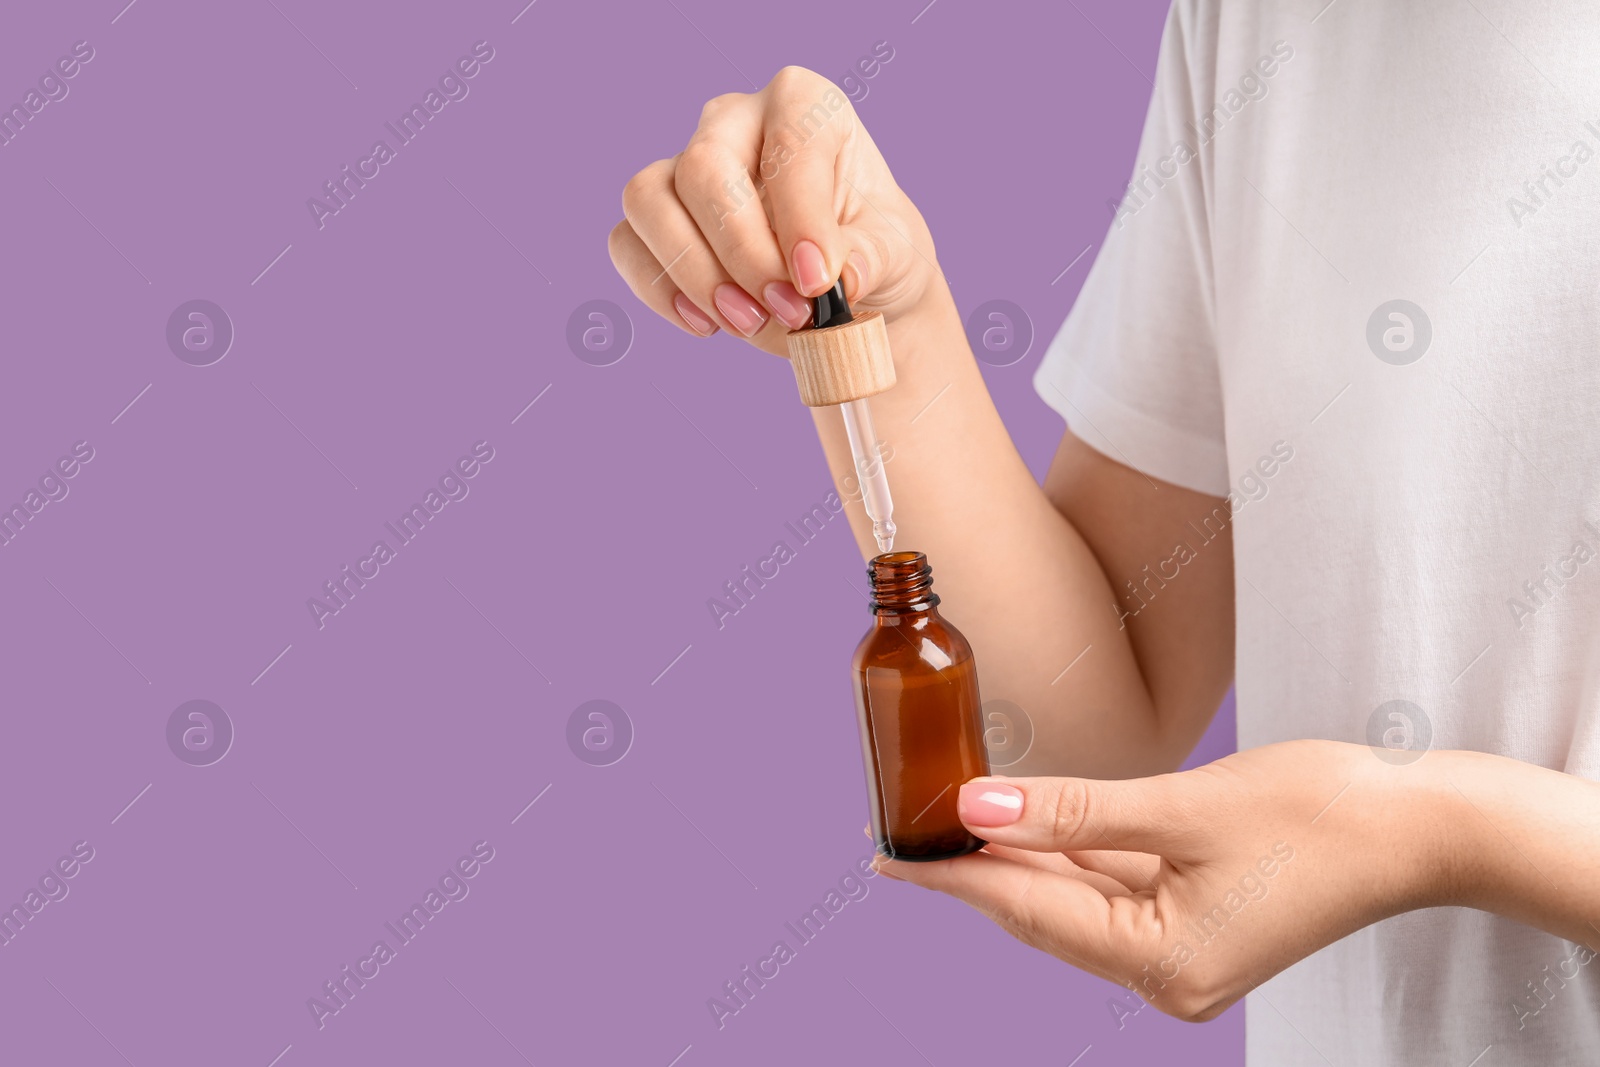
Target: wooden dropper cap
{"points": [[844, 356]]}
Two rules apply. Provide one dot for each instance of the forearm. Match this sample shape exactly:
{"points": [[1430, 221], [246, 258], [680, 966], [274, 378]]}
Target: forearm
{"points": [[1524, 841], [1017, 578], [1021, 580]]}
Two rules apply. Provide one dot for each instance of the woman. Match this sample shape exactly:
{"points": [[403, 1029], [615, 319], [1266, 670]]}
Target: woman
{"points": [[1332, 434]]}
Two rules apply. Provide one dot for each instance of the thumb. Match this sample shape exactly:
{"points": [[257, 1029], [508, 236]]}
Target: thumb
{"points": [[867, 267], [1079, 814]]}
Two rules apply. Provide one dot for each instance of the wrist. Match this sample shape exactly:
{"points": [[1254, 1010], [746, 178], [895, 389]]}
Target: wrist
{"points": [[1421, 824], [930, 350], [1398, 824], [926, 322], [1485, 809], [1470, 829]]}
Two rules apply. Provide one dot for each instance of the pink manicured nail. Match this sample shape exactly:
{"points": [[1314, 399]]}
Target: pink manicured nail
{"points": [[736, 306], [693, 317], [810, 269], [792, 309], [989, 804]]}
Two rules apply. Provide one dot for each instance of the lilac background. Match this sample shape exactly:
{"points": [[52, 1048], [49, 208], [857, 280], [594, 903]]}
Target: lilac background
{"points": [[427, 714]]}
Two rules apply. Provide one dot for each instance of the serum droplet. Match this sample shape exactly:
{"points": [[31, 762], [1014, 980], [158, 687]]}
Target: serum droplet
{"points": [[883, 532]]}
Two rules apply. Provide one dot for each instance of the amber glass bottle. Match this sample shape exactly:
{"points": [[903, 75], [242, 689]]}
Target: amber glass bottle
{"points": [[920, 714]]}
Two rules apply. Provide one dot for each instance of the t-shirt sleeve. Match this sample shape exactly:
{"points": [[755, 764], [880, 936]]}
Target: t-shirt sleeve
{"points": [[1134, 369]]}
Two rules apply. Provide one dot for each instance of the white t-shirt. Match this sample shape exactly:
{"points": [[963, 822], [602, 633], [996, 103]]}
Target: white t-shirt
{"points": [[1354, 285]]}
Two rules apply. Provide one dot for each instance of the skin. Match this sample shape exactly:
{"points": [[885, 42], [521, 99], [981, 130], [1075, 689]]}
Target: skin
{"points": [[779, 192]]}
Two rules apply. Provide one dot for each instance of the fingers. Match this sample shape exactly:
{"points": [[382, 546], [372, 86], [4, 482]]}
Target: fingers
{"points": [[1068, 814], [1136, 870], [1106, 882], [865, 263], [1088, 868], [805, 124], [714, 182], [650, 203], [651, 284], [1061, 915], [742, 228]]}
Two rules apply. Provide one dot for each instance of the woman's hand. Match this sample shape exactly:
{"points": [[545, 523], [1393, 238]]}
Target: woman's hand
{"points": [[777, 194], [1193, 888]]}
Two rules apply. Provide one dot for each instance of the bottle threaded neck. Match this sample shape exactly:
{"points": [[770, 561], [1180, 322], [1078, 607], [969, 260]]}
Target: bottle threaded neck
{"points": [[901, 582]]}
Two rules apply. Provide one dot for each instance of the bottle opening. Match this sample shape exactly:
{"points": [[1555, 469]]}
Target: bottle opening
{"points": [[901, 582]]}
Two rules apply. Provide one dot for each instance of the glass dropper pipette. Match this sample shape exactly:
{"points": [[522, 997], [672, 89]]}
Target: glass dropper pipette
{"points": [[831, 309]]}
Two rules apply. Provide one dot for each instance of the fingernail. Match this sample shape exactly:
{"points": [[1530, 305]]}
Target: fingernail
{"points": [[855, 275], [792, 309], [881, 863], [737, 307], [693, 317], [810, 269], [989, 804]]}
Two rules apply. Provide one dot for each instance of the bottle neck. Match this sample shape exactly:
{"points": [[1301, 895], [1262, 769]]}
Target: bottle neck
{"points": [[902, 584]]}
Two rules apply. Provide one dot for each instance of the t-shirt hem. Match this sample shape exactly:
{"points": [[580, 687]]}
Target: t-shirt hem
{"points": [[1133, 438]]}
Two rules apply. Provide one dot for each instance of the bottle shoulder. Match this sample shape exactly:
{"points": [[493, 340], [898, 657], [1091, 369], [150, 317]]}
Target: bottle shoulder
{"points": [[924, 642]]}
